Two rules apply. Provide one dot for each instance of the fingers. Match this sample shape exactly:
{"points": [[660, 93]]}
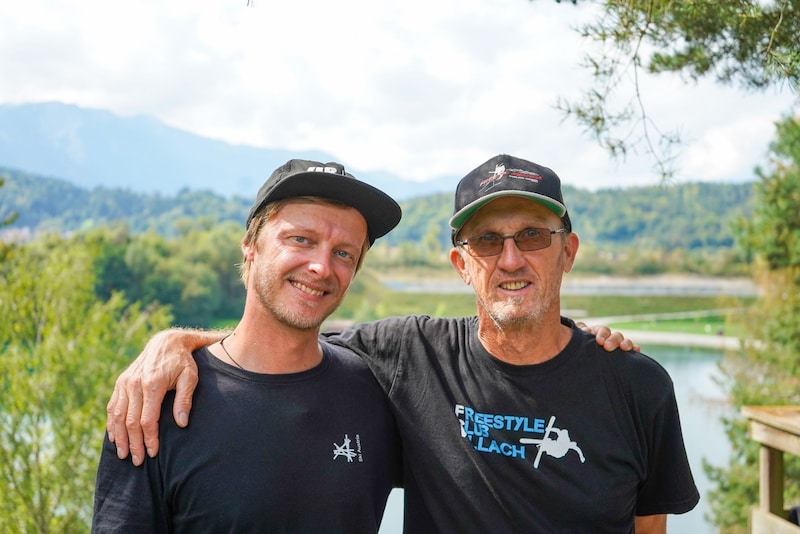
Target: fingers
{"points": [[122, 415], [110, 415], [118, 413], [609, 341], [602, 334], [133, 423], [153, 391], [613, 340], [187, 382]]}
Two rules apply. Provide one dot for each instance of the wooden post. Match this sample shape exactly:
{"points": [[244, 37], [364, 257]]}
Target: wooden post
{"points": [[777, 430], [771, 480]]}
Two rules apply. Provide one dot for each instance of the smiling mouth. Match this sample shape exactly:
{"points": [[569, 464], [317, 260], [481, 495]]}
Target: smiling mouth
{"points": [[514, 285], [305, 289]]}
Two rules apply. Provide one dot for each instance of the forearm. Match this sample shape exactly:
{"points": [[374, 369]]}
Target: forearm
{"points": [[179, 340], [651, 524]]}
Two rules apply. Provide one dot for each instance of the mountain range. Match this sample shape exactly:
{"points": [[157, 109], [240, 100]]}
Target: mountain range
{"points": [[67, 169], [93, 147]]}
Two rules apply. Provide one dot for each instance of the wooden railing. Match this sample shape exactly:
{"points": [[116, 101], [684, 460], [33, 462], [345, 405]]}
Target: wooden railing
{"points": [[777, 430]]}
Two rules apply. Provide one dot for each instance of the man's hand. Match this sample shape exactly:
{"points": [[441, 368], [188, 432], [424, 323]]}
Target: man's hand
{"points": [[607, 339], [133, 411]]}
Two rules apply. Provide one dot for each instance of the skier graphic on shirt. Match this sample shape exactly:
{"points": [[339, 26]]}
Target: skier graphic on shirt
{"points": [[558, 447]]}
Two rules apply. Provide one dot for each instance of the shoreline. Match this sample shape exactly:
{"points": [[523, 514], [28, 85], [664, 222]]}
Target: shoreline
{"points": [[662, 284], [676, 339]]}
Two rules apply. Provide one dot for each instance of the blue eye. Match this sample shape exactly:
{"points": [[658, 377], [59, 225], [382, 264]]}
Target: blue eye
{"points": [[488, 238]]}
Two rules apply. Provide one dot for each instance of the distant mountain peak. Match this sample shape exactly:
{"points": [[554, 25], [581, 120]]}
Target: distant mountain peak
{"points": [[94, 147]]}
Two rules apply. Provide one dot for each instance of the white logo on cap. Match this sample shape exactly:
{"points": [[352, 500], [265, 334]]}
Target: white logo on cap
{"points": [[499, 171], [332, 170]]}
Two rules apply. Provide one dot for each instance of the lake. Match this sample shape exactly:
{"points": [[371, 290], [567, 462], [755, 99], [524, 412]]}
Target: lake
{"points": [[701, 405]]}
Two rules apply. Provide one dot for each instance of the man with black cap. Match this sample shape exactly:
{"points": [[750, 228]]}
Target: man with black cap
{"points": [[288, 433], [514, 420]]}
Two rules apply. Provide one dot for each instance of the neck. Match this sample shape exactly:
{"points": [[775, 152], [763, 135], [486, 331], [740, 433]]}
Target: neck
{"points": [[270, 350], [526, 343]]}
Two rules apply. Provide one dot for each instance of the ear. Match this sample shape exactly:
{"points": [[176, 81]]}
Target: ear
{"points": [[460, 264], [571, 244], [248, 251]]}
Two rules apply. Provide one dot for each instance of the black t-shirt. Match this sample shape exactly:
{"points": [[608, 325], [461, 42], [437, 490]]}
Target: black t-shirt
{"points": [[580, 443], [310, 452]]}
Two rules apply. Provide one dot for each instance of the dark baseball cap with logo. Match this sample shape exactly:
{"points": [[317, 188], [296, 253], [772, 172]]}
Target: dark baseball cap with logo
{"points": [[298, 178], [504, 176]]}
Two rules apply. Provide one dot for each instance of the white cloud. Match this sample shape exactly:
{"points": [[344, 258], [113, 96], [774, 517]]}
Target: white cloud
{"points": [[420, 88]]}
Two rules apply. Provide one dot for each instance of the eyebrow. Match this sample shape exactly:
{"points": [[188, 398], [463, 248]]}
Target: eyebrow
{"points": [[537, 222]]}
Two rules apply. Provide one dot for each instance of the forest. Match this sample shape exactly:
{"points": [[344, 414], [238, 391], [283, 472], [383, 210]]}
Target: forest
{"points": [[182, 250], [686, 216]]}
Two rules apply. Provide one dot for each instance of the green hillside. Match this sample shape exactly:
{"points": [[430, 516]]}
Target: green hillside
{"points": [[686, 227]]}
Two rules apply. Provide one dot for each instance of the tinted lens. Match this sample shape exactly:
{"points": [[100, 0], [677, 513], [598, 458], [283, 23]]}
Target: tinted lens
{"points": [[486, 245], [527, 240], [532, 239]]}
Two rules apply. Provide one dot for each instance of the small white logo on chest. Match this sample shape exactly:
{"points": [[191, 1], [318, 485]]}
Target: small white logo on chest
{"points": [[346, 451]]}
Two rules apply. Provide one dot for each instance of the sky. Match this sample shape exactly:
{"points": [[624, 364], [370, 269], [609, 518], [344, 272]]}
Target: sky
{"points": [[420, 88]]}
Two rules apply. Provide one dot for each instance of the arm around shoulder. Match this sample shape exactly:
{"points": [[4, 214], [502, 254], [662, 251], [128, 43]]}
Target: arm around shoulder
{"points": [[165, 363]]}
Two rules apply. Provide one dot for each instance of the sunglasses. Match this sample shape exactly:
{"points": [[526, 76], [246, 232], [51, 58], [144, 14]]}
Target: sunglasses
{"points": [[527, 240]]}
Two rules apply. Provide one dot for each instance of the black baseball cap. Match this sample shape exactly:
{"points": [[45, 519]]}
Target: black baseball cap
{"points": [[504, 176], [298, 177]]}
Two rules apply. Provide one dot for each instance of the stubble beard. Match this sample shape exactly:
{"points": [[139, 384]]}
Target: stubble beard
{"points": [[268, 286], [517, 313], [507, 315]]}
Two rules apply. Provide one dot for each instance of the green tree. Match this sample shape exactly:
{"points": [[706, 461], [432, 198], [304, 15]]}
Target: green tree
{"points": [[213, 251], [749, 43], [108, 245], [767, 370], [5, 220], [61, 351]]}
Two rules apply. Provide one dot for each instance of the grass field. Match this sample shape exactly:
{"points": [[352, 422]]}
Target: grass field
{"points": [[713, 324]]}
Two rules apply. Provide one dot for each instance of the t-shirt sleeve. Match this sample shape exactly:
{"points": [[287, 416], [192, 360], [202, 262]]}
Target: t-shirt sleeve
{"points": [[669, 487], [125, 500]]}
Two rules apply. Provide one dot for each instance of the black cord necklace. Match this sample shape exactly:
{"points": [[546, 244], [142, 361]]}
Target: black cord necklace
{"points": [[228, 354]]}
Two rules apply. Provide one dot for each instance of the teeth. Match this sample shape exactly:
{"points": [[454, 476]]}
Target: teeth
{"points": [[514, 285], [306, 289]]}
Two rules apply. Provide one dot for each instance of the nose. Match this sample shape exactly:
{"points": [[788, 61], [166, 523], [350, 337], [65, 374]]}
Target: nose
{"points": [[510, 258], [320, 264]]}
